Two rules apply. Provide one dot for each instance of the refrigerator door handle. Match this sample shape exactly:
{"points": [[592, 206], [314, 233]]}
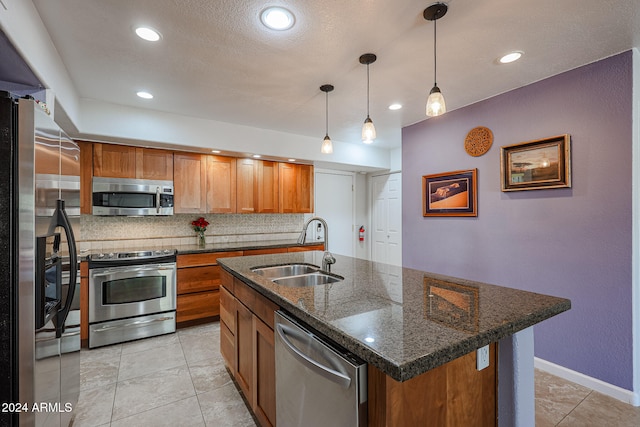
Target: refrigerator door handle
{"points": [[60, 219], [324, 371]]}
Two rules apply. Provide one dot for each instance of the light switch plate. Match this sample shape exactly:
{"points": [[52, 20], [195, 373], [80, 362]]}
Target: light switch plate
{"points": [[482, 358]]}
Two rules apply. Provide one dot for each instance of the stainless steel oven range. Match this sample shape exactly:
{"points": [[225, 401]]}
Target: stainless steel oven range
{"points": [[132, 295]]}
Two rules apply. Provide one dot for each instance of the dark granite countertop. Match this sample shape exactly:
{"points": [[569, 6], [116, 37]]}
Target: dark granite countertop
{"points": [[211, 247], [403, 321], [240, 246]]}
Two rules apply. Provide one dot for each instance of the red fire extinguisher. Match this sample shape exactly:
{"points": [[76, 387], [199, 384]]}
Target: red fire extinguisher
{"points": [[361, 233]]}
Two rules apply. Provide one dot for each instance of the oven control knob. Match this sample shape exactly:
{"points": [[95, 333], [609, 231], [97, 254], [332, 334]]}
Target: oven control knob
{"points": [[167, 251], [111, 255], [100, 255]]}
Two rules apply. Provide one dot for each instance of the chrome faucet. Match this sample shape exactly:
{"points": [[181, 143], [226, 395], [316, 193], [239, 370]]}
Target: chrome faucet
{"points": [[327, 258]]}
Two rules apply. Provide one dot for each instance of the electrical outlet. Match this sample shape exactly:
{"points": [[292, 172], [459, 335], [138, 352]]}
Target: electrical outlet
{"points": [[482, 358]]}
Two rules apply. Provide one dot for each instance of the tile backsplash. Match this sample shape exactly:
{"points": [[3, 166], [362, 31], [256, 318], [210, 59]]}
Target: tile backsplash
{"points": [[112, 233]]}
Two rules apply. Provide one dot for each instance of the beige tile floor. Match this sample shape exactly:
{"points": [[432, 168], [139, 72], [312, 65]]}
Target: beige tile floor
{"points": [[180, 380]]}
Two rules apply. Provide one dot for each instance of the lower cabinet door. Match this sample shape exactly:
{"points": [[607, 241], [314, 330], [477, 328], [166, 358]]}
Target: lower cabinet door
{"points": [[244, 349], [264, 371]]}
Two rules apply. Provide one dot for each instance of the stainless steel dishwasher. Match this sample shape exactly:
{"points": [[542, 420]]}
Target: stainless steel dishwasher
{"points": [[317, 384]]}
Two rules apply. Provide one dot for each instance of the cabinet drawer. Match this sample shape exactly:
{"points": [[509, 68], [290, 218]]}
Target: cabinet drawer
{"points": [[203, 259], [319, 247], [195, 279], [244, 293], [263, 308], [198, 306], [226, 280], [227, 310], [265, 251]]}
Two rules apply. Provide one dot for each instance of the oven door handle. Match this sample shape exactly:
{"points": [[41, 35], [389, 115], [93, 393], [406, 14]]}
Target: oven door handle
{"points": [[136, 324], [110, 271], [158, 200]]}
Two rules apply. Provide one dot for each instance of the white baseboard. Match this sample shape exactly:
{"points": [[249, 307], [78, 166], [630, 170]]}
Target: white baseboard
{"points": [[593, 383]]}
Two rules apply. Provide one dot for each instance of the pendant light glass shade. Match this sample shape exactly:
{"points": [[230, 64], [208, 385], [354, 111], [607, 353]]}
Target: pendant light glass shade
{"points": [[368, 129], [435, 103], [327, 145]]}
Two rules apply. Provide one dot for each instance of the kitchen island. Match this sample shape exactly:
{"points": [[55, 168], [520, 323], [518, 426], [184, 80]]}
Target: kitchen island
{"points": [[417, 331]]}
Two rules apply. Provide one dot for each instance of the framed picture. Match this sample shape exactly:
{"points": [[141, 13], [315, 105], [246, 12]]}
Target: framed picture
{"points": [[536, 165], [450, 194], [452, 304]]}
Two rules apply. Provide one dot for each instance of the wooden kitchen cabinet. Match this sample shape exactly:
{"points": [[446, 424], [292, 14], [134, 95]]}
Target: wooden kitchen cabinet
{"points": [[114, 161], [221, 184], [244, 348], [319, 247], [154, 164], [123, 161], [189, 182], [198, 277], [295, 188], [264, 373], [247, 344], [268, 186], [257, 186], [86, 176], [247, 186]]}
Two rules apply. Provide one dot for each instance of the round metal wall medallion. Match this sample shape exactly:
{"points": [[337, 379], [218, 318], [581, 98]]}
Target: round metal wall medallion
{"points": [[478, 141]]}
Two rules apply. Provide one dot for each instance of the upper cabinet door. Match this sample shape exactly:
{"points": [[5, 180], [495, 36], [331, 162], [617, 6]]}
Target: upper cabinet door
{"points": [[247, 185], [114, 161], [268, 187], [221, 184], [86, 176], [154, 164], [189, 182], [296, 188], [305, 189]]}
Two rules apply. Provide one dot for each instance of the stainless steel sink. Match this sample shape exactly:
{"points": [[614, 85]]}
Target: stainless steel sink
{"points": [[279, 271], [310, 279]]}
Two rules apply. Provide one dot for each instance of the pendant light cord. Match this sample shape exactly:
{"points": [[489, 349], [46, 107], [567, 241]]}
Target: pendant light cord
{"points": [[367, 90], [327, 114], [435, 53]]}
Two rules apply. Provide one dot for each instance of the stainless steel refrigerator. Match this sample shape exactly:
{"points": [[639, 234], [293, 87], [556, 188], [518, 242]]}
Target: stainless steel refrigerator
{"points": [[39, 309]]}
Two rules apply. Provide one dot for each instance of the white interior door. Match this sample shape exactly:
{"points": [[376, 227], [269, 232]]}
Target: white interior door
{"points": [[386, 219], [334, 202]]}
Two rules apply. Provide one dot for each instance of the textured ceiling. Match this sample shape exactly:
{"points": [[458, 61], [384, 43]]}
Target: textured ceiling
{"points": [[216, 61]]}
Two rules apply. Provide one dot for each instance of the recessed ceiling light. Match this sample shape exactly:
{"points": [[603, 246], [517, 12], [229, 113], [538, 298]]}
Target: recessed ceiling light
{"points": [[144, 95], [256, 156], [277, 18], [395, 106], [510, 57], [148, 34]]}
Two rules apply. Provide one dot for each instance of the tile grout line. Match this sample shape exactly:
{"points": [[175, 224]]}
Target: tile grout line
{"points": [[115, 390], [574, 408]]}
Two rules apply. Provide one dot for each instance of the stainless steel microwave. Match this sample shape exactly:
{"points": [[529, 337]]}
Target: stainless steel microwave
{"points": [[132, 197]]}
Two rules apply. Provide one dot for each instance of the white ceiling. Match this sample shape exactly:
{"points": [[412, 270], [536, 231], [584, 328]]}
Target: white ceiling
{"points": [[216, 61]]}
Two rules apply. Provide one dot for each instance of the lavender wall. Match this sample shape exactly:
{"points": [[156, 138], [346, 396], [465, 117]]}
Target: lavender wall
{"points": [[574, 243]]}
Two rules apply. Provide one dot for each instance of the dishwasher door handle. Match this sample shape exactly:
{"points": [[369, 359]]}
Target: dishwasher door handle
{"points": [[323, 371]]}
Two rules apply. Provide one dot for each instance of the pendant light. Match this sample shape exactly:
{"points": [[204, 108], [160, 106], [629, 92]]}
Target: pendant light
{"points": [[435, 102], [327, 145], [368, 130]]}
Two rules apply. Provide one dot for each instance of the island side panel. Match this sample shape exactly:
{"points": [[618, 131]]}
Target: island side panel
{"points": [[454, 394]]}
